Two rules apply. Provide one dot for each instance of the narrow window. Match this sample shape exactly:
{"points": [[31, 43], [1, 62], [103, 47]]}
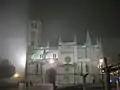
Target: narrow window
{"points": [[54, 55], [37, 68], [87, 68], [41, 56]]}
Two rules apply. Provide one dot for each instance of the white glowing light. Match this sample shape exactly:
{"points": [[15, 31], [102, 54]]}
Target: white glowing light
{"points": [[101, 61], [21, 57], [51, 61], [23, 60], [16, 75]]}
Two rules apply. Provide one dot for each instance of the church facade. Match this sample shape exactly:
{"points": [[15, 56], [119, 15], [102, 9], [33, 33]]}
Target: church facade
{"points": [[68, 60]]}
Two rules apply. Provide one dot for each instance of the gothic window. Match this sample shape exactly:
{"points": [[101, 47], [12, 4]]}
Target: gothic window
{"points": [[87, 68], [34, 25], [37, 68], [54, 55], [41, 56]]}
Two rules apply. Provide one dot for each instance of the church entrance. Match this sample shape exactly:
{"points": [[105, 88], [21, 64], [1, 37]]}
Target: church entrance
{"points": [[50, 76]]}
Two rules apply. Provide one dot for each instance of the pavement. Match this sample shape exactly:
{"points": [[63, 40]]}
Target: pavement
{"points": [[50, 87], [88, 87]]}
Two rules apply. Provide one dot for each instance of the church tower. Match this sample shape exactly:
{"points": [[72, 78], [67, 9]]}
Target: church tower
{"points": [[35, 33], [33, 43]]}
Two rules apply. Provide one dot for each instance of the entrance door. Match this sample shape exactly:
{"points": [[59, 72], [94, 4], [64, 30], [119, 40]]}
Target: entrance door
{"points": [[51, 76]]}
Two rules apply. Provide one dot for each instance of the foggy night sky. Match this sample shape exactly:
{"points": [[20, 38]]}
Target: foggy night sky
{"points": [[61, 17]]}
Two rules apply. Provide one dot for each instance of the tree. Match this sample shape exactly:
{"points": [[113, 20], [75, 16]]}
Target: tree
{"points": [[7, 70]]}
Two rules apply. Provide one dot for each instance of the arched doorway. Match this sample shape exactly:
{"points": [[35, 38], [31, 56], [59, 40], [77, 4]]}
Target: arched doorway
{"points": [[50, 76]]}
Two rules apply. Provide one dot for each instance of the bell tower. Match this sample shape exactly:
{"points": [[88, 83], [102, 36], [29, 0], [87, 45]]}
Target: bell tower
{"points": [[32, 67], [35, 33]]}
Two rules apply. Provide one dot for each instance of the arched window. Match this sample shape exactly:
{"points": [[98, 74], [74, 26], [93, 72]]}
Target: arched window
{"points": [[41, 56], [87, 67], [37, 66], [54, 55], [33, 25]]}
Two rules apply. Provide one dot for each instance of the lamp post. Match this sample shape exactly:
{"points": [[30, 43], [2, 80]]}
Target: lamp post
{"points": [[107, 75], [106, 82], [101, 62]]}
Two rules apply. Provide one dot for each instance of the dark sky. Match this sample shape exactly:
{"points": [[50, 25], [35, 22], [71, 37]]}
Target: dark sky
{"points": [[69, 17], [63, 18], [74, 16]]}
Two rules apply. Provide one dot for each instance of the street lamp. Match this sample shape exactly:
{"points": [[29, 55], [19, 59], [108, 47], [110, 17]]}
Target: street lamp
{"points": [[106, 68], [16, 75], [101, 61], [100, 66]]}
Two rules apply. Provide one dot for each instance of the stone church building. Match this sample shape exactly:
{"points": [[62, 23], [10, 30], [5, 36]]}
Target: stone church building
{"points": [[62, 64]]}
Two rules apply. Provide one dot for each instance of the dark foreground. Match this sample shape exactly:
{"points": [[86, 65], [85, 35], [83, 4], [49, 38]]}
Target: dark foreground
{"points": [[79, 87]]}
